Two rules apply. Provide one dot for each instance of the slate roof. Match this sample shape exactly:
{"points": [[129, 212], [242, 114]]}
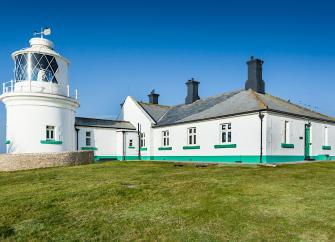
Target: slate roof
{"points": [[155, 111], [280, 105], [226, 104], [103, 123]]}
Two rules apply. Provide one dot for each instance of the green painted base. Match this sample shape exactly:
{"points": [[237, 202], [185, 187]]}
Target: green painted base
{"points": [[143, 149], [246, 159], [323, 157], [105, 157], [145, 157], [114, 157]]}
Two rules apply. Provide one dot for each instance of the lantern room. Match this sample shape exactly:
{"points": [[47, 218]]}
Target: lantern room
{"points": [[39, 68], [40, 95]]}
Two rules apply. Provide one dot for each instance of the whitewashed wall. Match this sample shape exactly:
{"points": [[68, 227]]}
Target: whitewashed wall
{"points": [[108, 142], [275, 137], [103, 139], [245, 134], [123, 150], [132, 112], [27, 118]]}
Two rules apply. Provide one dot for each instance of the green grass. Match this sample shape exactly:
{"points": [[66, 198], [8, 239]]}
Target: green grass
{"points": [[152, 201]]}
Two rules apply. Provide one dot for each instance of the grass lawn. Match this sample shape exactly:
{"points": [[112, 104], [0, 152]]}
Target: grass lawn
{"points": [[152, 201]]}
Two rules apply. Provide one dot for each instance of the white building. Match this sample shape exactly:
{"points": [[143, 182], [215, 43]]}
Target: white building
{"points": [[40, 110], [244, 126]]}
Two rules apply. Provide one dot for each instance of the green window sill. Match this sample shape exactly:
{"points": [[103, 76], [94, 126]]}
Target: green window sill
{"points": [[7, 142], [131, 147], [89, 148], [288, 146], [51, 142], [143, 149], [165, 148], [326, 147], [195, 147], [225, 146]]}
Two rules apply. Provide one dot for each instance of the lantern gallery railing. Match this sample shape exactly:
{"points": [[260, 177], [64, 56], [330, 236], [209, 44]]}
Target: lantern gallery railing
{"points": [[51, 88], [8, 87]]}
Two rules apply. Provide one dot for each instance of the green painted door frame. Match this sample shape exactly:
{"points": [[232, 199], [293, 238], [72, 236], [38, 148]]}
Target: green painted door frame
{"points": [[307, 141]]}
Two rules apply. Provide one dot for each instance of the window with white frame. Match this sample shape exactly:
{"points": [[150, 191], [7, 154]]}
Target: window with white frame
{"points": [[88, 138], [130, 142], [192, 136], [325, 141], [50, 132], [225, 133], [142, 135], [165, 138], [286, 132]]}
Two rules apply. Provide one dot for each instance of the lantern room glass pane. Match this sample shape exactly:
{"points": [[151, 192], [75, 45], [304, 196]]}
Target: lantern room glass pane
{"points": [[35, 67]]}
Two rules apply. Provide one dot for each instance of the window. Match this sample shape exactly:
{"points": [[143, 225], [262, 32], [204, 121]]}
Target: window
{"points": [[142, 135], [325, 142], [286, 132], [50, 132], [35, 67], [225, 133], [130, 143], [88, 135], [165, 139], [192, 136]]}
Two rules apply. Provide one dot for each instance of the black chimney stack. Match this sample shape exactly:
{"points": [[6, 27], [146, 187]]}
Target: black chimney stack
{"points": [[255, 80], [153, 97], [192, 91]]}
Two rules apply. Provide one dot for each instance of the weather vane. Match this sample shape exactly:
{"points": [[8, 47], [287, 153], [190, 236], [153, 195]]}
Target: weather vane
{"points": [[44, 31]]}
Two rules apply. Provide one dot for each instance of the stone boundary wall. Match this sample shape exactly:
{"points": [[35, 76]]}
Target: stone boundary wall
{"points": [[14, 162]]}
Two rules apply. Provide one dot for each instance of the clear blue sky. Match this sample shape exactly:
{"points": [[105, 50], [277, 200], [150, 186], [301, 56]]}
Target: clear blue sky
{"points": [[120, 48]]}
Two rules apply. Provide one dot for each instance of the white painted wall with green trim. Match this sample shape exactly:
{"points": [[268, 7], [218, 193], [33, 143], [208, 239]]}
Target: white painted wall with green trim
{"points": [[275, 136], [128, 152], [27, 118], [131, 111], [102, 139], [245, 134], [108, 142]]}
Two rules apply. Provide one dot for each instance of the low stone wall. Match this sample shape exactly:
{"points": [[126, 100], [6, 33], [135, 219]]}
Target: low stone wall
{"points": [[14, 162]]}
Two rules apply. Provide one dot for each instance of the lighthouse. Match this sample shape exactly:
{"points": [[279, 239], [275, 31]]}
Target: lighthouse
{"points": [[40, 105]]}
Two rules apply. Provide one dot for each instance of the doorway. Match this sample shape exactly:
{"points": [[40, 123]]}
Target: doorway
{"points": [[307, 141]]}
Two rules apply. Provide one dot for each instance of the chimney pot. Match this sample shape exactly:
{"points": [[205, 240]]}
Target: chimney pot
{"points": [[255, 79], [192, 91], [153, 97]]}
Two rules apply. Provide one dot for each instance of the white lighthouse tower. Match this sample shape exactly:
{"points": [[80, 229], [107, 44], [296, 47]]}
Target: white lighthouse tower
{"points": [[40, 106]]}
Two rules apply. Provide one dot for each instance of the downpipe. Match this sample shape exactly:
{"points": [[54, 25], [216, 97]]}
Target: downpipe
{"points": [[77, 139], [261, 117], [123, 145]]}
